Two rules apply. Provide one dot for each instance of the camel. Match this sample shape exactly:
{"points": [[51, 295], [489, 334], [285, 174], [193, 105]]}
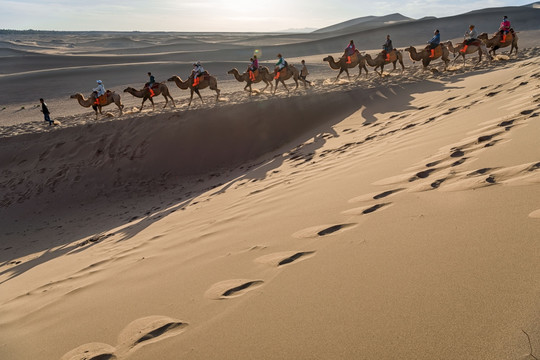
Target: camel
{"points": [[144, 93], [342, 65], [90, 102], [380, 60], [285, 74], [262, 75], [424, 55], [478, 47], [205, 81], [495, 42]]}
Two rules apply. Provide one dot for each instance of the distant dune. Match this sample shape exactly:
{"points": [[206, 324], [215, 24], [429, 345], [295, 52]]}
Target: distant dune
{"points": [[364, 23]]}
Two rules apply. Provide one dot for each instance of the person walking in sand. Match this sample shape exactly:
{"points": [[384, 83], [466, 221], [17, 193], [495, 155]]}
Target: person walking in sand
{"points": [[45, 111], [304, 72]]}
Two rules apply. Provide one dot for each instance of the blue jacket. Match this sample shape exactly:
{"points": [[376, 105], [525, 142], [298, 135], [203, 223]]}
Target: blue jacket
{"points": [[436, 40]]}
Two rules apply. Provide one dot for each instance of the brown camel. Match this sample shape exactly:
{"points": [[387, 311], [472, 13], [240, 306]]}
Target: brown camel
{"points": [[356, 60], [380, 60], [477, 46], [495, 42], [424, 55], [205, 81], [262, 75], [112, 97], [286, 73], [159, 89]]}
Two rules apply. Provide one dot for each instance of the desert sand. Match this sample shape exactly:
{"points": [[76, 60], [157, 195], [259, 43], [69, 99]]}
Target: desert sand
{"points": [[393, 217]]}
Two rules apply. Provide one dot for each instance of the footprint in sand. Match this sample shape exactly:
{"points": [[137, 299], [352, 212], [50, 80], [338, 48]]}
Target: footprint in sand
{"points": [[480, 171], [231, 288], [148, 330], [375, 196], [323, 230], [91, 351], [366, 209], [535, 214], [284, 258], [422, 175]]}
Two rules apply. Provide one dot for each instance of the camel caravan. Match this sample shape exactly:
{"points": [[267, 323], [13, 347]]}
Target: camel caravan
{"points": [[474, 43]]}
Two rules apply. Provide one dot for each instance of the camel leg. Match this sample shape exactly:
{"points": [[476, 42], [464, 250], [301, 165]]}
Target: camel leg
{"points": [[275, 86], [191, 98], [266, 82], [172, 100], [402, 65], [365, 68], [284, 85], [166, 100], [296, 81], [340, 71], [142, 104], [217, 93], [199, 93]]}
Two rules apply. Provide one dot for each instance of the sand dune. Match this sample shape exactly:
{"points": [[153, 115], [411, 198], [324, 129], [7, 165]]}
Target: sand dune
{"points": [[378, 218]]}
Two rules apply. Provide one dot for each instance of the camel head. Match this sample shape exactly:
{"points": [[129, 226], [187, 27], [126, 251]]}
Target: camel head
{"points": [[232, 71], [483, 36], [171, 78], [128, 89], [409, 49], [75, 96], [328, 58]]}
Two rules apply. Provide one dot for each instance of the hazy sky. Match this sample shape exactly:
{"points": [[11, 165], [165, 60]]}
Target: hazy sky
{"points": [[211, 15]]}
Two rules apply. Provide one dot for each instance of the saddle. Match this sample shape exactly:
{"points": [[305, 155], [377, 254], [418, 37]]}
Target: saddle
{"points": [[253, 74], [508, 38], [281, 72], [437, 52], [103, 98], [351, 58], [389, 56]]}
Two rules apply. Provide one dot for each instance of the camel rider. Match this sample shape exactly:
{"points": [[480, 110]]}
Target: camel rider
{"points": [[150, 83], [99, 91], [469, 38], [197, 71], [387, 48], [253, 66], [349, 51], [279, 65], [504, 28], [434, 42]]}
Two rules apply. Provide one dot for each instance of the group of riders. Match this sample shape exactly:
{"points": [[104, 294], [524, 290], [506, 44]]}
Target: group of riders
{"points": [[470, 37], [198, 71]]}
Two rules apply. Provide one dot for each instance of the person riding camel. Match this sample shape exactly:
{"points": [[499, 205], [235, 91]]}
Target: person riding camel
{"points": [[150, 83], [433, 43], [504, 28], [99, 91], [387, 48], [197, 71], [253, 66], [279, 66], [349, 51], [469, 38]]}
